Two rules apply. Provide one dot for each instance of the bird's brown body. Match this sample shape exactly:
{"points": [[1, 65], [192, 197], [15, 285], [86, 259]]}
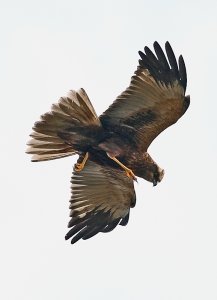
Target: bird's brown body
{"points": [[128, 154], [114, 144]]}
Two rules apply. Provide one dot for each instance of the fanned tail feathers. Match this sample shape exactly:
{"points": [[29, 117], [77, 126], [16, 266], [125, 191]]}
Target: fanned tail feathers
{"points": [[71, 111]]}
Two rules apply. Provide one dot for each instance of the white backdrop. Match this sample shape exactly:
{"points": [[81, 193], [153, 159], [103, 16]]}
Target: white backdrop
{"points": [[168, 250]]}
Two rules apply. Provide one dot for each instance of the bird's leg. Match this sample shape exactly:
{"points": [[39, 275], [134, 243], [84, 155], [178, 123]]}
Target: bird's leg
{"points": [[79, 166], [128, 171]]}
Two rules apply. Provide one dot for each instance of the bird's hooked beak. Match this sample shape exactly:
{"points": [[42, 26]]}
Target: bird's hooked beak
{"points": [[155, 182]]}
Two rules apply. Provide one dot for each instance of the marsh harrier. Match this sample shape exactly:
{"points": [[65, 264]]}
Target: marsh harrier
{"points": [[113, 147]]}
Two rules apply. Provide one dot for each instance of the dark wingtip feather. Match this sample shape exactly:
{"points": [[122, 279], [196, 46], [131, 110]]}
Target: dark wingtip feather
{"points": [[91, 224], [111, 226], [141, 54], [125, 220], [80, 234], [163, 67], [75, 229], [92, 232], [172, 58], [144, 62], [161, 56], [186, 104], [182, 71], [156, 44], [152, 58]]}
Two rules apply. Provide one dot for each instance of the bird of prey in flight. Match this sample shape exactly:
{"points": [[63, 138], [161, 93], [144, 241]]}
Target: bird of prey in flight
{"points": [[113, 147]]}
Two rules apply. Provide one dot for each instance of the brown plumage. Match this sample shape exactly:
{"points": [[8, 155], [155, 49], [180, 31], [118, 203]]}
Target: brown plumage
{"points": [[102, 193]]}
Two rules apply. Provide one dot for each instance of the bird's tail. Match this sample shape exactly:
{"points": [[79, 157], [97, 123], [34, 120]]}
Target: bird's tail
{"points": [[71, 112]]}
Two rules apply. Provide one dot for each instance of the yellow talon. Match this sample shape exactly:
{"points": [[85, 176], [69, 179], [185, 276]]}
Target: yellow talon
{"points": [[130, 174], [128, 171], [79, 166]]}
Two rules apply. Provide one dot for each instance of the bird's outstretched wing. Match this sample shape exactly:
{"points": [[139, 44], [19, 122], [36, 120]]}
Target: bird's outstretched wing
{"points": [[101, 199], [155, 98]]}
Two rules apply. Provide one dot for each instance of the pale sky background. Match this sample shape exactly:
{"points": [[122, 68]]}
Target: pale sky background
{"points": [[168, 250]]}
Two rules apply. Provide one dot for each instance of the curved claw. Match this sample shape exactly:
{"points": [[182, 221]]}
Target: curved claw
{"points": [[128, 171]]}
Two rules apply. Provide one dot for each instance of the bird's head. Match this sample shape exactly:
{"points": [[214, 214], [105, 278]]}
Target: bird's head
{"points": [[157, 175], [153, 173], [150, 171]]}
